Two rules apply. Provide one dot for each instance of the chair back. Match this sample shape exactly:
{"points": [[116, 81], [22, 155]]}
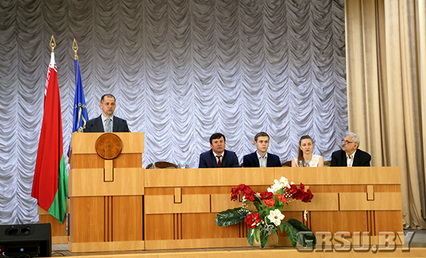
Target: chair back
{"points": [[161, 165], [286, 164]]}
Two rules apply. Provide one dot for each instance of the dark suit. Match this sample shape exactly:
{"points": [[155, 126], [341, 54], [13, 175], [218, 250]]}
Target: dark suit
{"points": [[97, 126], [361, 159], [252, 160], [208, 160]]}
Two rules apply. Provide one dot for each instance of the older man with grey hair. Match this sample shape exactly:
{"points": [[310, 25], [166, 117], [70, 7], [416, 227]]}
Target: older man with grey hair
{"points": [[350, 155]]}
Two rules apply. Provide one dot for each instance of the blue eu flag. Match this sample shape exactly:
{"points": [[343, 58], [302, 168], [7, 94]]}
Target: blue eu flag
{"points": [[80, 111]]}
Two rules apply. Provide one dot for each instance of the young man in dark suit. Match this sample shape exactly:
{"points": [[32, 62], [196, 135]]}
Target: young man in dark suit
{"points": [[217, 156], [107, 122], [350, 155], [261, 157]]}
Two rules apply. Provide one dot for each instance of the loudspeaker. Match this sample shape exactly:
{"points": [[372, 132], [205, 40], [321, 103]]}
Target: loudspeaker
{"points": [[26, 240]]}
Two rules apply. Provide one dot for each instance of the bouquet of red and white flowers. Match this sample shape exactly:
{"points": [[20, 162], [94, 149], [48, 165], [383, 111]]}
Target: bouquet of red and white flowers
{"points": [[266, 216]]}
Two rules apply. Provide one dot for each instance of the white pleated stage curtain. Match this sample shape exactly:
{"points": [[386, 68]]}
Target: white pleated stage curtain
{"points": [[180, 70]]}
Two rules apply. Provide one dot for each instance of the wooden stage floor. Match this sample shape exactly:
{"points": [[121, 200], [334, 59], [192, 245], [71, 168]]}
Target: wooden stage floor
{"points": [[246, 252], [417, 248]]}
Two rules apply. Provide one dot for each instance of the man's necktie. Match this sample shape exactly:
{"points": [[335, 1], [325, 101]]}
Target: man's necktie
{"points": [[108, 125], [219, 161], [350, 160]]}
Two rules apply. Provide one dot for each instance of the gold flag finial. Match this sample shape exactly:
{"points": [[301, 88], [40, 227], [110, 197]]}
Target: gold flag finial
{"points": [[52, 43], [75, 48]]}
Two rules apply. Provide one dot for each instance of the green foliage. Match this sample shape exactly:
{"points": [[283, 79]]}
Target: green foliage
{"points": [[292, 227], [291, 232], [263, 238], [251, 235], [260, 236], [231, 217], [258, 204], [306, 240]]}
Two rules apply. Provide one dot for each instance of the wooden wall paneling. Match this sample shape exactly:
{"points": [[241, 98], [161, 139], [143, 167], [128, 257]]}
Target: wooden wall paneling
{"points": [[340, 175], [84, 143], [333, 221], [58, 230], [165, 204], [91, 182], [108, 218], [86, 161], [127, 218], [209, 177], [203, 225], [320, 202], [128, 160], [359, 201], [388, 220], [177, 226], [221, 202], [159, 227], [87, 219]]}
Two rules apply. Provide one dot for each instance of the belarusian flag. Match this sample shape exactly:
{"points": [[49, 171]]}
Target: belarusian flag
{"points": [[50, 185]]}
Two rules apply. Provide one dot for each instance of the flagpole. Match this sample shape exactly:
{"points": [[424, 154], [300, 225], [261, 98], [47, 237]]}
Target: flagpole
{"points": [[80, 112], [75, 48], [52, 43], [50, 183]]}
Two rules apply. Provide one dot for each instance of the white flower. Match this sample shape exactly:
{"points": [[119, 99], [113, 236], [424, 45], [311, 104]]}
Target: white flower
{"points": [[281, 184], [276, 186], [257, 195], [275, 217], [284, 181]]}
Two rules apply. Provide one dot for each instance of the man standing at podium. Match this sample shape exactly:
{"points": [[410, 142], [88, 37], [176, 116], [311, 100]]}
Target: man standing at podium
{"points": [[218, 157], [350, 155], [107, 122]]}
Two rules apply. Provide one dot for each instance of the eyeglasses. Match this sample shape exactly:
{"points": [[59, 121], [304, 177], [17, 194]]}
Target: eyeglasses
{"points": [[346, 141]]}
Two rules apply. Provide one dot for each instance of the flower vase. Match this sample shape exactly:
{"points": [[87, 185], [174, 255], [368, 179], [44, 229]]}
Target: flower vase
{"points": [[272, 241]]}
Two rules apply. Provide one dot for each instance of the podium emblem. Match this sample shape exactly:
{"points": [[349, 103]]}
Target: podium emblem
{"points": [[108, 146]]}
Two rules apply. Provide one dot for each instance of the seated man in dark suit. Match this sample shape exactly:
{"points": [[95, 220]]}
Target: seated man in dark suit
{"points": [[218, 157], [107, 122], [350, 155], [261, 158]]}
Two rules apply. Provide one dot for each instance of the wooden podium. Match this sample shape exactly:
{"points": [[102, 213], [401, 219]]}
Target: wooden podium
{"points": [[106, 195]]}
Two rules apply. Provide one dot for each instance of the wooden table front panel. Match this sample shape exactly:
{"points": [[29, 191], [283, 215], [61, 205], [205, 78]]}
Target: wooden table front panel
{"points": [[339, 205]]}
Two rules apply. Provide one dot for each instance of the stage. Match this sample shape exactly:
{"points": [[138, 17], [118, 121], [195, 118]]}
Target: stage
{"points": [[247, 252], [416, 248]]}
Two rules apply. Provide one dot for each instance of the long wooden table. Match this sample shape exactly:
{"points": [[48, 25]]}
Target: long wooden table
{"points": [[181, 205], [117, 205], [178, 207]]}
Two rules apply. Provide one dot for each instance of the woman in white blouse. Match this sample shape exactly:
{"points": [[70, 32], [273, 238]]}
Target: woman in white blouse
{"points": [[306, 158]]}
